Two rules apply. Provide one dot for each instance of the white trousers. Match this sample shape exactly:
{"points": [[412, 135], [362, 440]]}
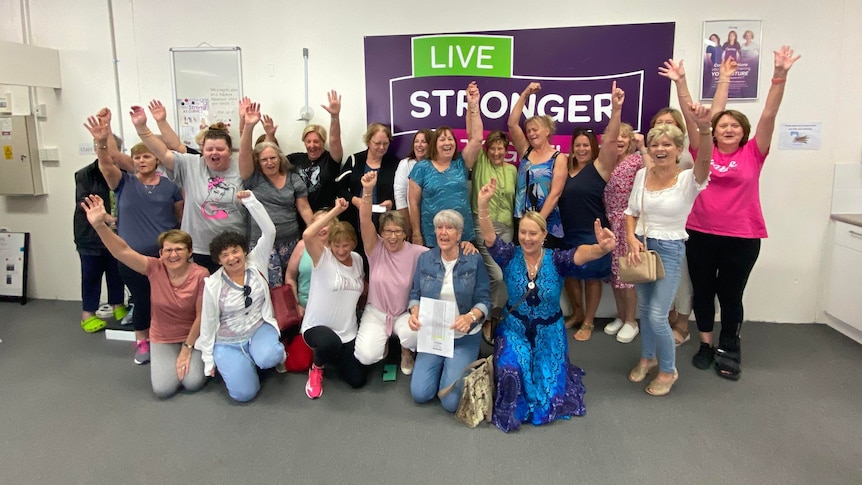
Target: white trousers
{"points": [[371, 339]]}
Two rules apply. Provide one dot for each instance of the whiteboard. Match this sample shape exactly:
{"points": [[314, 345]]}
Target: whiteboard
{"points": [[206, 84]]}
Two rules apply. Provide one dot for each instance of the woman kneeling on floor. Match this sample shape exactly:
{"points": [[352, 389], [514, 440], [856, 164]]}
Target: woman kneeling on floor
{"points": [[238, 328], [447, 273], [176, 284], [329, 327]]}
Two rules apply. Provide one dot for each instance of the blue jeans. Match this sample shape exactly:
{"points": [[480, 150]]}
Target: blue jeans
{"points": [[236, 362], [431, 373], [654, 302]]}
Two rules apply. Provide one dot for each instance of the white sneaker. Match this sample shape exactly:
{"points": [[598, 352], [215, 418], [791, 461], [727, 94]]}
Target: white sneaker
{"points": [[613, 327], [628, 332]]}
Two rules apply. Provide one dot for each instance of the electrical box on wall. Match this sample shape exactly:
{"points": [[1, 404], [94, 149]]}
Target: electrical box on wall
{"points": [[20, 165]]}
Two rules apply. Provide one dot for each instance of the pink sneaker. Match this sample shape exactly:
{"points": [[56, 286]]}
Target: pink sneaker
{"points": [[314, 385], [142, 352]]}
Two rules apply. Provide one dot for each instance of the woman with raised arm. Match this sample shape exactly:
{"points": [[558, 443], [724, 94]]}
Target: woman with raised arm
{"points": [[616, 197], [266, 172], [658, 208], [239, 333], [447, 273], [317, 166], [681, 308], [581, 203], [542, 172], [392, 261], [726, 223], [337, 281], [210, 183], [298, 273], [177, 286], [418, 151], [440, 182], [147, 205], [535, 382]]}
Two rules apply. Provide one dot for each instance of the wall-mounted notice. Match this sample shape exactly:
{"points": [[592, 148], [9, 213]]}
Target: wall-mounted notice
{"points": [[14, 247], [207, 87], [799, 136], [739, 39]]}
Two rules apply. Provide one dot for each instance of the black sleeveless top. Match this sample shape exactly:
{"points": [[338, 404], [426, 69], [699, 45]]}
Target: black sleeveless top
{"points": [[582, 200]]}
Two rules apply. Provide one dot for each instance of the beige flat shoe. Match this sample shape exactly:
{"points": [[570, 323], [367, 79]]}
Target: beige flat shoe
{"points": [[655, 388], [639, 372]]}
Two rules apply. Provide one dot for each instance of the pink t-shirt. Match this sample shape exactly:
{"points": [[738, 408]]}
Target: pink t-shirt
{"points": [[730, 206], [173, 310], [391, 276]]}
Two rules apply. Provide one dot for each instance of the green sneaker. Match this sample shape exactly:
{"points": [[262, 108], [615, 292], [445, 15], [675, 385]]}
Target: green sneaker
{"points": [[120, 312], [93, 324]]}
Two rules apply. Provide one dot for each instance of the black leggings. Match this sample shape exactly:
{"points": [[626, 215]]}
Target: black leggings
{"points": [[328, 349], [139, 287], [720, 265]]}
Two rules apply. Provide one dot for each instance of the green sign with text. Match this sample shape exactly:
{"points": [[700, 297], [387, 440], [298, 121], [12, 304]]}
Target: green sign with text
{"points": [[462, 55]]}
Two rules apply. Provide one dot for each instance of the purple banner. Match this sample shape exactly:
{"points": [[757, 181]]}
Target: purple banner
{"points": [[418, 81]]}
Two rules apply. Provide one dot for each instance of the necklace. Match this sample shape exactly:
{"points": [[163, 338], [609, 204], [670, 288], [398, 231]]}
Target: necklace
{"points": [[532, 272], [149, 187]]}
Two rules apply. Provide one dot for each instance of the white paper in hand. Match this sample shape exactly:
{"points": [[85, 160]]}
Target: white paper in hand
{"points": [[436, 336]]}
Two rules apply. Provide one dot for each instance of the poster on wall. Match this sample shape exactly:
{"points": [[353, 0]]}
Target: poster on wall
{"points": [[419, 81], [14, 248], [740, 39]]}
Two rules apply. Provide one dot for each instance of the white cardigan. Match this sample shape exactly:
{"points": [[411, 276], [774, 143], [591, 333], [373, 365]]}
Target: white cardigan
{"points": [[257, 260]]}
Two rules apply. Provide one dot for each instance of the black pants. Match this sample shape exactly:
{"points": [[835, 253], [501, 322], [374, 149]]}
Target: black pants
{"points": [[139, 287], [328, 349], [720, 265], [206, 261]]}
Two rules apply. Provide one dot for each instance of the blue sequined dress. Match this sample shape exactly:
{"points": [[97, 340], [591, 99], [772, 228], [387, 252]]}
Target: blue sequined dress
{"points": [[535, 382]]}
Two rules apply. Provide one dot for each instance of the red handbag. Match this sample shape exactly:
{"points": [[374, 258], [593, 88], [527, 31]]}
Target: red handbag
{"points": [[285, 306]]}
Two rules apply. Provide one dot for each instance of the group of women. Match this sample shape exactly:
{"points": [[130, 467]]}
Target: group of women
{"points": [[573, 217]]}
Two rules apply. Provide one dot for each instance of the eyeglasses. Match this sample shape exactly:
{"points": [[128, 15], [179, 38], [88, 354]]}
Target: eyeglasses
{"points": [[270, 159], [246, 291], [391, 232], [173, 250]]}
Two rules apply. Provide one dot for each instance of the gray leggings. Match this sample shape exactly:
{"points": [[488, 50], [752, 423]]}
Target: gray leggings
{"points": [[163, 370]]}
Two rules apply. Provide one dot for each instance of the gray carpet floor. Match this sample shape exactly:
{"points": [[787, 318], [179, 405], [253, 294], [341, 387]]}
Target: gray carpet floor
{"points": [[75, 409]]}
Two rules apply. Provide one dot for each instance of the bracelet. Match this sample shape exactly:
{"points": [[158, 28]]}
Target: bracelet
{"points": [[472, 315], [364, 195], [144, 135], [684, 96], [483, 218], [101, 147], [705, 131], [190, 347], [779, 80]]}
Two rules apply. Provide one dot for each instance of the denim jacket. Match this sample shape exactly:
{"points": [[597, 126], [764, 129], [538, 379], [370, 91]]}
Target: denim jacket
{"points": [[469, 280]]}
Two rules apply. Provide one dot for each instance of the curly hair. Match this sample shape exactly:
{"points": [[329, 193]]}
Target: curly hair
{"points": [[225, 240]]}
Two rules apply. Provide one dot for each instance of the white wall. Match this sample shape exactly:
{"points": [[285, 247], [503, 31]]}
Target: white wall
{"points": [[796, 186]]}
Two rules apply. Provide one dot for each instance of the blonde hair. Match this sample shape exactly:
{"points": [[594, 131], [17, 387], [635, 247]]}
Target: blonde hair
{"points": [[139, 149], [538, 219], [341, 232], [372, 130], [321, 132], [545, 121], [672, 132]]}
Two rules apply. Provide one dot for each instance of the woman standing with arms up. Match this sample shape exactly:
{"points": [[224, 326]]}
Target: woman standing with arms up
{"points": [[418, 151], [542, 172], [726, 223], [582, 202]]}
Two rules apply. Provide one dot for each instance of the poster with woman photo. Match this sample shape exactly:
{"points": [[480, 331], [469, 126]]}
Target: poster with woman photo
{"points": [[740, 39]]}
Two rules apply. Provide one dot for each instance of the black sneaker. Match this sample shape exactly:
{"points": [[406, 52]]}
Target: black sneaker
{"points": [[704, 357]]}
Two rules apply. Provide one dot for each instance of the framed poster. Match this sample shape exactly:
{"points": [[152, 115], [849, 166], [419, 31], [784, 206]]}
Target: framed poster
{"points": [[14, 247], [740, 39]]}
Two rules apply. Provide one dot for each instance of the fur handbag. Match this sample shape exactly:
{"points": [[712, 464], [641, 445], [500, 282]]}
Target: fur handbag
{"points": [[650, 268], [477, 396]]}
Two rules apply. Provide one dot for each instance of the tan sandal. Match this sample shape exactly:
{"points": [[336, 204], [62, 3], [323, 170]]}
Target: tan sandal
{"points": [[640, 372], [585, 332], [680, 337], [656, 388]]}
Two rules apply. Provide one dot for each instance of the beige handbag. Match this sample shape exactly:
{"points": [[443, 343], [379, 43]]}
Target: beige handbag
{"points": [[477, 396], [650, 268]]}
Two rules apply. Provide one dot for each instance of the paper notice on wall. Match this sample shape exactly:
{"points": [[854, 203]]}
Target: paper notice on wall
{"points": [[191, 112], [799, 136], [6, 127], [223, 105]]}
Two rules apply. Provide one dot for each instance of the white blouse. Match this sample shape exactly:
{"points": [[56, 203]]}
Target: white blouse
{"points": [[665, 211]]}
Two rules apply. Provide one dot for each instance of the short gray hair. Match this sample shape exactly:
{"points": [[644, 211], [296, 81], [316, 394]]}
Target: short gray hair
{"points": [[449, 217]]}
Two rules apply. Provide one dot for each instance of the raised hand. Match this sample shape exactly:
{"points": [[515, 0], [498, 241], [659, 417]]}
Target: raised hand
{"points": [[369, 180], [701, 114], [98, 129], [605, 237], [334, 106], [269, 126], [243, 106], [728, 67], [487, 192], [618, 96], [243, 194], [672, 70], [157, 109], [473, 95], [340, 205], [94, 206], [104, 116], [139, 117], [532, 88], [784, 59], [639, 140], [252, 114]]}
